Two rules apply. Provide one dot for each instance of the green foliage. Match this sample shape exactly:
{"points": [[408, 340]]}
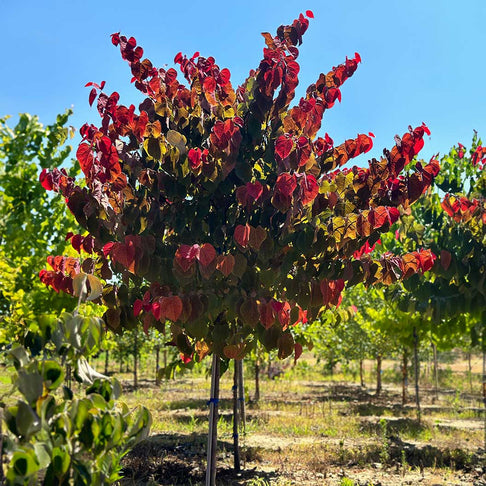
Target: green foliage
{"points": [[56, 436], [31, 221]]}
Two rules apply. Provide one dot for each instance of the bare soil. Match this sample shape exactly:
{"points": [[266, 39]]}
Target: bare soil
{"points": [[382, 452]]}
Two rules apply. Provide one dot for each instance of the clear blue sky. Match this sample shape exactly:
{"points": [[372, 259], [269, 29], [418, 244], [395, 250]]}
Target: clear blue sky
{"points": [[423, 60]]}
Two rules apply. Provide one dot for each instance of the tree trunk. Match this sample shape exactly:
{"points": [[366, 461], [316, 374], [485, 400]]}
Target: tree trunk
{"points": [[2, 477], [404, 376], [157, 364], [361, 374], [135, 361], [107, 359], [417, 373], [436, 372], [236, 417], [378, 374], [213, 423], [257, 380], [470, 372], [484, 388], [241, 396]]}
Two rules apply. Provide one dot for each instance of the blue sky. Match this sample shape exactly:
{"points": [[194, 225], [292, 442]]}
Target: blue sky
{"points": [[423, 60]]}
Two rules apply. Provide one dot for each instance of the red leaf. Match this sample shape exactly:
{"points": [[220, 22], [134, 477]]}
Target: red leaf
{"points": [[92, 96], [297, 351], [257, 237], [283, 315], [76, 242], [283, 146], [254, 190], [45, 178], [209, 85], [226, 264], [426, 258], [124, 254], [195, 160], [267, 316], [186, 359], [137, 307], [85, 157], [207, 254], [377, 217], [185, 256], [445, 259], [156, 311], [242, 235], [171, 307], [309, 14], [309, 188], [286, 184], [107, 248], [248, 313]]}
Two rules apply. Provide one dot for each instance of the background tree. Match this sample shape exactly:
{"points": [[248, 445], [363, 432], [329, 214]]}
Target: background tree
{"points": [[32, 222]]}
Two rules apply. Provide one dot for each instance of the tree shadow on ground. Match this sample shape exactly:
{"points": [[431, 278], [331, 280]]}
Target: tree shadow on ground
{"points": [[176, 459]]}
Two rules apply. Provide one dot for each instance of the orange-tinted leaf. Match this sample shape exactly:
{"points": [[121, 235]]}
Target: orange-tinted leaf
{"points": [[235, 351], [84, 154], [225, 264], [202, 349], [409, 265], [171, 307]]}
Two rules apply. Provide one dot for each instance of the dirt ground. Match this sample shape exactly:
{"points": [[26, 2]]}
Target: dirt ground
{"points": [[364, 440]]}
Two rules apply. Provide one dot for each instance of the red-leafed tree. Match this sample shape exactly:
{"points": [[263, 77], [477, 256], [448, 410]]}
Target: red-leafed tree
{"points": [[222, 210]]}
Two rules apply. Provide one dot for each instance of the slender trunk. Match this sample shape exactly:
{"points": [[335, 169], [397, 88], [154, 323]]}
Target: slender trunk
{"points": [[213, 423], [404, 376], [157, 364], [241, 396], [107, 359], [257, 380], [436, 372], [2, 477], [378, 374], [417, 372], [236, 417], [484, 389], [135, 361], [470, 372], [361, 374]]}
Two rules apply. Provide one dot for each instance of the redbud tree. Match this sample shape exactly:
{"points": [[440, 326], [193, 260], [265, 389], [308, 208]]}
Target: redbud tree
{"points": [[225, 210]]}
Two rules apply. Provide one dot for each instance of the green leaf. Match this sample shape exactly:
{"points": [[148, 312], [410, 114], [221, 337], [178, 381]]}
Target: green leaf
{"points": [[27, 421], [30, 385], [52, 373], [23, 464]]}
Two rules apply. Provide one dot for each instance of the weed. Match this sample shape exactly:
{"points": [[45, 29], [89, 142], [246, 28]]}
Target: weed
{"points": [[385, 446], [346, 482]]}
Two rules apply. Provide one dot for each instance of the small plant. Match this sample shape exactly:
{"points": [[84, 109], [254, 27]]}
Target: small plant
{"points": [[346, 482], [385, 446], [54, 437]]}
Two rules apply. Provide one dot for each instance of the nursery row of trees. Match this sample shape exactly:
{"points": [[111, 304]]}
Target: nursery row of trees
{"points": [[222, 219]]}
